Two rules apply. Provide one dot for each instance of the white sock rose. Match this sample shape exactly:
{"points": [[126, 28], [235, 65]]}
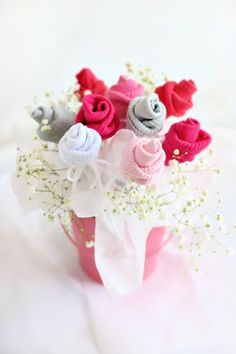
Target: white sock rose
{"points": [[79, 146]]}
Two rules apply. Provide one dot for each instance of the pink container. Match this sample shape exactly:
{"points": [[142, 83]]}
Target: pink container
{"points": [[84, 230]]}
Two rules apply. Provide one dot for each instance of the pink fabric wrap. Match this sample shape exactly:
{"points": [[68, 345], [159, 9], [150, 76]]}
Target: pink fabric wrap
{"points": [[188, 138], [98, 113], [143, 159], [121, 95], [177, 97]]}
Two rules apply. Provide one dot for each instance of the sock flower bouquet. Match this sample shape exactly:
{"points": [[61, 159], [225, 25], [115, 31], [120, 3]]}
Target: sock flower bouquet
{"points": [[121, 176]]}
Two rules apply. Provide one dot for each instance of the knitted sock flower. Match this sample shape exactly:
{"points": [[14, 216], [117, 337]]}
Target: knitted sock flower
{"points": [[143, 160], [99, 114], [146, 115], [53, 122], [121, 95], [79, 146], [177, 97], [88, 82], [185, 140]]}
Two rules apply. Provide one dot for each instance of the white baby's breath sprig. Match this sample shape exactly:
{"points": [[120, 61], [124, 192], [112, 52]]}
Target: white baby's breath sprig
{"points": [[46, 182], [204, 230], [66, 99], [144, 76]]}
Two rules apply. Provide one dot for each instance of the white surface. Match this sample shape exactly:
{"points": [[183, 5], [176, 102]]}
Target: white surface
{"points": [[48, 305]]}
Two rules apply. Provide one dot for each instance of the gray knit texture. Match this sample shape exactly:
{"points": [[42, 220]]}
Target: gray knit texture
{"points": [[146, 115], [53, 122]]}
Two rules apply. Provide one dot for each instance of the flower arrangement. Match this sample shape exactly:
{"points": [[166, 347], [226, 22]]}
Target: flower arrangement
{"points": [[109, 162]]}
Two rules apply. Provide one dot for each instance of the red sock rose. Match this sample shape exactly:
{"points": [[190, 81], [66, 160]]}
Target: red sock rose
{"points": [[88, 81], [177, 97]]}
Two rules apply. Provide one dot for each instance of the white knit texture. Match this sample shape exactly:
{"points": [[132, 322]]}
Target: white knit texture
{"points": [[79, 146]]}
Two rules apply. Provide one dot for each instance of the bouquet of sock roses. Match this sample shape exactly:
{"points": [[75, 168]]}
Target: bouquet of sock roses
{"points": [[124, 169]]}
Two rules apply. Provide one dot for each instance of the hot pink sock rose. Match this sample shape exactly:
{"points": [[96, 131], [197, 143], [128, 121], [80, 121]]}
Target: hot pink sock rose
{"points": [[185, 140], [121, 94], [99, 114]]}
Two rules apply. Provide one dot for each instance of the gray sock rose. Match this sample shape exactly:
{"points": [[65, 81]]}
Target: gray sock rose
{"points": [[146, 115], [53, 122]]}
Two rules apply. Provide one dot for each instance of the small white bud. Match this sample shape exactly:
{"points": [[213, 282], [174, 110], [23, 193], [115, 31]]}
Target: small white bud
{"points": [[89, 243], [45, 121], [229, 251], [176, 152]]}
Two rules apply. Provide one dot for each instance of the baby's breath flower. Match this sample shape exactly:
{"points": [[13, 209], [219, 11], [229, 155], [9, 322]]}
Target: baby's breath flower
{"points": [[176, 152], [219, 217], [222, 228], [181, 245], [33, 189], [45, 121], [177, 230], [159, 201], [89, 243], [207, 237], [45, 128], [198, 270], [229, 251]]}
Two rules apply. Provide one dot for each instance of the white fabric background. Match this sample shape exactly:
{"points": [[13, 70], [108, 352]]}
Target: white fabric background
{"points": [[47, 305]]}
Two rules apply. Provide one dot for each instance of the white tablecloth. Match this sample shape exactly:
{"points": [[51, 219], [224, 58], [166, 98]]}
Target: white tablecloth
{"points": [[48, 306]]}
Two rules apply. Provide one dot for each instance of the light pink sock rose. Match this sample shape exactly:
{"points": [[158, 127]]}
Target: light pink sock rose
{"points": [[143, 159]]}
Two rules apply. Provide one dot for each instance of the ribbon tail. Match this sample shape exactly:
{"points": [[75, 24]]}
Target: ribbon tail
{"points": [[120, 253], [74, 174]]}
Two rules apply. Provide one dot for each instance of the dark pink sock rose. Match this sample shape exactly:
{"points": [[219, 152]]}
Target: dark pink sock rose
{"points": [[98, 113], [185, 140]]}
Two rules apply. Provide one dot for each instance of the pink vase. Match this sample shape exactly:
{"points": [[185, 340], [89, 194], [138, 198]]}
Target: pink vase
{"points": [[83, 233]]}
